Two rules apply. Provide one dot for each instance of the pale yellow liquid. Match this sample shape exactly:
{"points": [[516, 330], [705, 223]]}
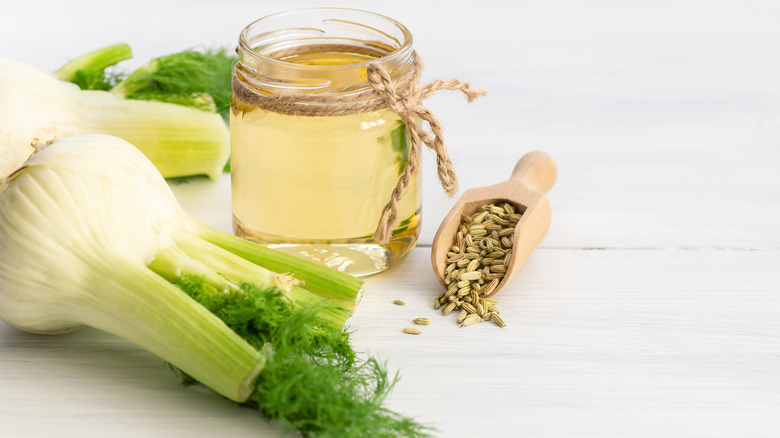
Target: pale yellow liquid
{"points": [[316, 186]]}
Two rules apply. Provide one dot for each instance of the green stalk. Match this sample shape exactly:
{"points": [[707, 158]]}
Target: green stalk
{"points": [[94, 61], [234, 269], [240, 271], [341, 288], [195, 257], [180, 141], [171, 263], [147, 310], [326, 309]]}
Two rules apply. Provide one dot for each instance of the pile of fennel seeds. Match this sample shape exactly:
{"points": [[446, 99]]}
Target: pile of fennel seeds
{"points": [[477, 262]]}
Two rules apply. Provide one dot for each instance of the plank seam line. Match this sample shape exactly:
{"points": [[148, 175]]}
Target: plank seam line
{"points": [[665, 248], [652, 248]]}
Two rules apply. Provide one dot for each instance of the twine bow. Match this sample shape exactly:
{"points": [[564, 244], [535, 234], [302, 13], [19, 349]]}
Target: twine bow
{"points": [[407, 103]]}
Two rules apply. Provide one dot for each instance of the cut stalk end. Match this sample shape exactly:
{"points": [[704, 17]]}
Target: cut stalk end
{"points": [[163, 319], [338, 287], [94, 61]]}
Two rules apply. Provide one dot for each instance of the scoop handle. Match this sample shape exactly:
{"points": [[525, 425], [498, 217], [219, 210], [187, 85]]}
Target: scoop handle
{"points": [[536, 170]]}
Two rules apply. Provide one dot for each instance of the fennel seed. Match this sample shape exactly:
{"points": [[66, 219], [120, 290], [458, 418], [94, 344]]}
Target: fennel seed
{"points": [[451, 291], [448, 308], [470, 276], [469, 308], [399, 302], [471, 319], [497, 319], [422, 321], [411, 331]]}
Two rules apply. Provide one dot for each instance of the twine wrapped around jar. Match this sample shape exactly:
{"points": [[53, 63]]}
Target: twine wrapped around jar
{"points": [[403, 95]]}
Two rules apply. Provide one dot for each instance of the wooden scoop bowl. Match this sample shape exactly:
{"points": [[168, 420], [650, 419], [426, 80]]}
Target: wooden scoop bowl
{"points": [[533, 176]]}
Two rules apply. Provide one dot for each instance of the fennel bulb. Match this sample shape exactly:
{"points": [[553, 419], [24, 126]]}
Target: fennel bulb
{"points": [[36, 107], [90, 234]]}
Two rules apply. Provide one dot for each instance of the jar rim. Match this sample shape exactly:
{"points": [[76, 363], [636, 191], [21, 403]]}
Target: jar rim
{"points": [[405, 45]]}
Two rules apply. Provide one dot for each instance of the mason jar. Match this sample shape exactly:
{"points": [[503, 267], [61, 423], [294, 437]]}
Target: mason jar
{"points": [[314, 159]]}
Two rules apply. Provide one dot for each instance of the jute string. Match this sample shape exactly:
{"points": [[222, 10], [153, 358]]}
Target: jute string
{"points": [[403, 95]]}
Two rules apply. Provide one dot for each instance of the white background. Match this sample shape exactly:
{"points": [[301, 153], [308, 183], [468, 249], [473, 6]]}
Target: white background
{"points": [[651, 309]]}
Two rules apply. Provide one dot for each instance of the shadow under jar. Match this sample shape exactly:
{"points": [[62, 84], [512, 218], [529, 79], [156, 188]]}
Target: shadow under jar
{"points": [[310, 173]]}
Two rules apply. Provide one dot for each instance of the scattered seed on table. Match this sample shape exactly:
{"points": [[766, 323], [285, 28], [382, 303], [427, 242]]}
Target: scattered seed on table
{"points": [[411, 331], [399, 302], [497, 319]]}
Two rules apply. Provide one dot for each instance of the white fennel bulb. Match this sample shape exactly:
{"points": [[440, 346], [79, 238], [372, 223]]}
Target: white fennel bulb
{"points": [[36, 107], [91, 235]]}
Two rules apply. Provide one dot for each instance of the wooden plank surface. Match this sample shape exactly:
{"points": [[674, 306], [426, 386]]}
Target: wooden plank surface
{"points": [[598, 343], [651, 307]]}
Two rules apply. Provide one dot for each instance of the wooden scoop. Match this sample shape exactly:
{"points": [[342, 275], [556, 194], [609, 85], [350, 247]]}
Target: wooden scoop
{"points": [[532, 177]]}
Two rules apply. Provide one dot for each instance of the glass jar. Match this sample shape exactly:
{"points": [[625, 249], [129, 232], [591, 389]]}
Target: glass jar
{"points": [[310, 174]]}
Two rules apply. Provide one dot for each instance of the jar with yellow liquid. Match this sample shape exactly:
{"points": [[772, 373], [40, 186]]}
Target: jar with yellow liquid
{"points": [[310, 174]]}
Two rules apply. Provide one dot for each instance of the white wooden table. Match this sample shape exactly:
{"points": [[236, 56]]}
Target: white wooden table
{"points": [[652, 308]]}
